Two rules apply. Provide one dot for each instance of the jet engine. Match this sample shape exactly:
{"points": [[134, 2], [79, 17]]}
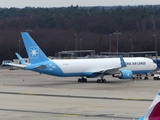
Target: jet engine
{"points": [[124, 74]]}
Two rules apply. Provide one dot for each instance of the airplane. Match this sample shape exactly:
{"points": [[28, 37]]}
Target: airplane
{"points": [[153, 113], [84, 68]]}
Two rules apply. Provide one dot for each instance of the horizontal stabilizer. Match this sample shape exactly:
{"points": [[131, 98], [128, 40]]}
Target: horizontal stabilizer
{"points": [[17, 65]]}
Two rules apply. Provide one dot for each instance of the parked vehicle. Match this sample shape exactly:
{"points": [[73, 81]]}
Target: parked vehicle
{"points": [[156, 77], [13, 68]]}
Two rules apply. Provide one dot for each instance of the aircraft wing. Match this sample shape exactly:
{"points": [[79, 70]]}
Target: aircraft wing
{"points": [[108, 71], [17, 65], [114, 69]]}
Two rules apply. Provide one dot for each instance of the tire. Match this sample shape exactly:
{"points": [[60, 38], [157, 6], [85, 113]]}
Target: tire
{"points": [[79, 80], [98, 81], [85, 80]]}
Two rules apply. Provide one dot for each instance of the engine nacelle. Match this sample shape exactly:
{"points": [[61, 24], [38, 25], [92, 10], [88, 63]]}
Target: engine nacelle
{"points": [[125, 74]]}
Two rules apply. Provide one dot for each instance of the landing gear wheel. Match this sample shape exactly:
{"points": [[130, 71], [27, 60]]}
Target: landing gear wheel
{"points": [[98, 81], [103, 81], [146, 78], [82, 80], [79, 80]]}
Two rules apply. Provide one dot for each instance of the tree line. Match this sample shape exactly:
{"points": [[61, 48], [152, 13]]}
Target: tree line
{"points": [[54, 29]]}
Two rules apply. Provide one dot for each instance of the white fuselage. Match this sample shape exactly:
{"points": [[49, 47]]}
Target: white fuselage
{"points": [[137, 65]]}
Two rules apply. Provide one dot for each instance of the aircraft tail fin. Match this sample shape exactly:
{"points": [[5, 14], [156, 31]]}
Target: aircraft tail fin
{"points": [[21, 59], [35, 54], [153, 113]]}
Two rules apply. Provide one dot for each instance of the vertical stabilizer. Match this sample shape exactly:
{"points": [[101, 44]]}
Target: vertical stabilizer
{"points": [[153, 113], [35, 54]]}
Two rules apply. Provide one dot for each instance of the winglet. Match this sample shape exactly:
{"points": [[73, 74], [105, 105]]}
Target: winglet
{"points": [[153, 111], [123, 64], [21, 59]]}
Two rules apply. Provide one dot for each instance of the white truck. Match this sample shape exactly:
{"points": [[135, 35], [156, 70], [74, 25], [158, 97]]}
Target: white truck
{"points": [[156, 77]]}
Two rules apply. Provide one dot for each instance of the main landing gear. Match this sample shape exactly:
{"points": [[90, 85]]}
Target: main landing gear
{"points": [[137, 77], [82, 79], [140, 77], [146, 77], [101, 80]]}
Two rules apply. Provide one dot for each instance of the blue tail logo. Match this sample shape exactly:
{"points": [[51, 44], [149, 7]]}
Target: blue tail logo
{"points": [[33, 52]]}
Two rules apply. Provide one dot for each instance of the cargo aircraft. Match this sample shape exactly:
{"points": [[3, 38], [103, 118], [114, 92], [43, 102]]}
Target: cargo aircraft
{"points": [[84, 68]]}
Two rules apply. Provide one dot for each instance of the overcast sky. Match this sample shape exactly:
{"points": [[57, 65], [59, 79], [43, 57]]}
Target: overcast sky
{"points": [[66, 3]]}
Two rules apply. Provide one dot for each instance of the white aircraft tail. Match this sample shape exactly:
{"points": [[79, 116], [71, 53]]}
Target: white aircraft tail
{"points": [[153, 113]]}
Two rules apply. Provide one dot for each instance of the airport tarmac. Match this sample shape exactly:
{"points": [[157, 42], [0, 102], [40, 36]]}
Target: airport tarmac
{"points": [[27, 95]]}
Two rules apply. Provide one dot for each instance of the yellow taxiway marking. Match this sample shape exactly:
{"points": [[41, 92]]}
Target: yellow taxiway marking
{"points": [[133, 99], [28, 93], [68, 115]]}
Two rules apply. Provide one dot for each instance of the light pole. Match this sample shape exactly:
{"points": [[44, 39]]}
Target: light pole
{"points": [[110, 43], [19, 47], [155, 46], [81, 46], [117, 33], [131, 45], [76, 42]]}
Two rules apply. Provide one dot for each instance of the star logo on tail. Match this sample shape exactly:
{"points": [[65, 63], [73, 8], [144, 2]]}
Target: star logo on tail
{"points": [[33, 52]]}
